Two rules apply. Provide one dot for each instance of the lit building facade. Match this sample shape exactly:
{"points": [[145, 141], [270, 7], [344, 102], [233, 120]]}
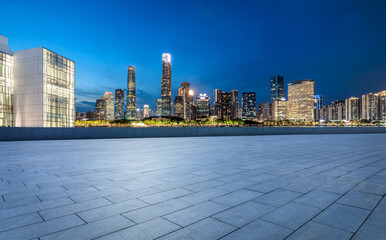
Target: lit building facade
{"points": [[44, 89], [370, 106], [203, 106], [104, 107], [352, 109], [146, 111], [235, 104], [279, 110], [131, 94], [6, 84], [158, 108], [226, 106], [277, 88], [119, 105], [187, 100], [217, 103], [382, 105], [264, 111], [301, 100], [179, 107], [166, 85], [248, 103]]}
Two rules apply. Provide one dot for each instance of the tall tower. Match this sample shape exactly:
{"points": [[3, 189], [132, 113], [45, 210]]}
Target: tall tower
{"points": [[277, 88], [166, 85], [301, 100], [131, 94], [119, 104]]}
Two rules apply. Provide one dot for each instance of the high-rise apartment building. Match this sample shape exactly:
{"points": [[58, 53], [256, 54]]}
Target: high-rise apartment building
{"points": [[382, 105], [131, 94], [301, 100], [146, 111], [370, 106], [352, 109], [248, 102], [44, 89], [119, 105], [104, 107], [235, 104], [277, 88], [166, 85], [6, 84], [203, 106]]}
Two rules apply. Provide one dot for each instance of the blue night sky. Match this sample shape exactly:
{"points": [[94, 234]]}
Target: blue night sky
{"points": [[214, 44]]}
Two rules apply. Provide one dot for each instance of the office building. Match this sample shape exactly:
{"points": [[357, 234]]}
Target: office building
{"points": [[203, 106], [179, 106], [318, 106], [6, 84], [187, 100], [44, 89], [235, 104], [131, 94], [264, 111], [248, 103], [146, 111], [277, 88], [301, 100], [104, 107], [226, 106], [217, 103], [139, 114], [166, 85], [119, 104], [158, 108], [279, 110], [352, 109]]}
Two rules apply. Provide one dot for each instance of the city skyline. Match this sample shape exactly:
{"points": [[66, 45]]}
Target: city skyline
{"points": [[208, 49]]}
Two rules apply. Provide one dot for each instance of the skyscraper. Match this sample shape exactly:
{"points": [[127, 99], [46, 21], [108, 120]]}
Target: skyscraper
{"points": [[382, 105], [6, 84], [131, 94], [352, 109], [158, 108], [217, 103], [119, 104], [226, 106], [277, 88], [146, 111], [301, 100], [179, 107], [235, 104], [370, 106], [203, 106], [187, 100], [104, 107], [264, 111], [166, 85], [248, 102]]}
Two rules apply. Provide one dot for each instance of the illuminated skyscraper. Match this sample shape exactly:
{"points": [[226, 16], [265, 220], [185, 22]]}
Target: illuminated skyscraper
{"points": [[277, 88], [279, 110], [6, 84], [352, 109], [203, 106], [131, 94], [235, 104], [226, 106], [370, 106], [179, 106], [146, 111], [301, 100], [217, 103], [119, 104], [166, 85], [248, 102], [104, 107], [382, 105], [264, 111], [158, 109]]}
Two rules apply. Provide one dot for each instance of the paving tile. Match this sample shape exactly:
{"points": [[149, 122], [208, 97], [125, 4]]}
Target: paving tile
{"points": [[124, 196], [291, 215], [145, 231], [315, 231], [206, 229], [360, 199], [92, 230], [259, 230], [19, 221], [237, 197], [195, 213], [164, 196], [267, 186], [110, 210], [343, 217], [243, 213], [42, 228], [278, 197], [73, 208], [236, 185], [370, 187], [369, 231], [197, 187], [156, 210], [203, 196], [318, 198]]}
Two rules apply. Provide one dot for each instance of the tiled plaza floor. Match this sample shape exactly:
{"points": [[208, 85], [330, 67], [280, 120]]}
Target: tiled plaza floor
{"points": [[251, 187]]}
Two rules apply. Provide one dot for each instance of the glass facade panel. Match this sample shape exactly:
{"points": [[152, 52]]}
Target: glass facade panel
{"points": [[58, 90], [6, 90]]}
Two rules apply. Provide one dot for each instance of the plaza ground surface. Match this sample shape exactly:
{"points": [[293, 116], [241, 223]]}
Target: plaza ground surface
{"points": [[251, 187]]}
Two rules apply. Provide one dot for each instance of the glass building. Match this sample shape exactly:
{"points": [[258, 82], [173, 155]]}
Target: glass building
{"points": [[119, 104], [166, 85], [6, 84], [277, 88], [179, 106], [203, 106], [301, 100], [248, 104], [131, 94], [235, 104], [44, 89]]}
